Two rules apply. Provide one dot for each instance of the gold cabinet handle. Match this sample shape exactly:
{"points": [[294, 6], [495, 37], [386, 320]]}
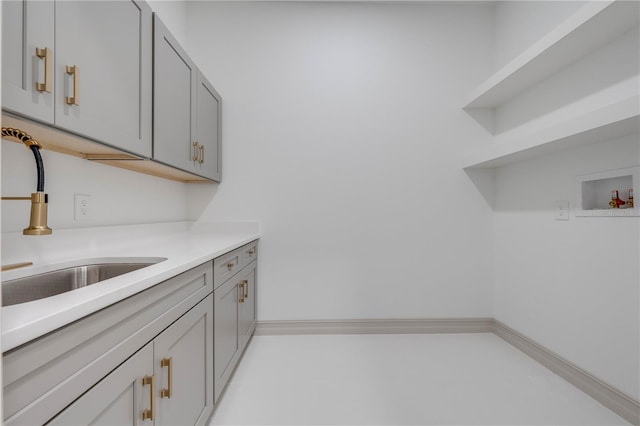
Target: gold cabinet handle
{"points": [[201, 154], [251, 252], [241, 286], [13, 266], [150, 414], [230, 265], [196, 151], [45, 54], [74, 70], [245, 284], [167, 362]]}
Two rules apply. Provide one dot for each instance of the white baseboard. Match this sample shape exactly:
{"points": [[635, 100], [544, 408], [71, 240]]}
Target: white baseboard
{"points": [[617, 401], [375, 326]]}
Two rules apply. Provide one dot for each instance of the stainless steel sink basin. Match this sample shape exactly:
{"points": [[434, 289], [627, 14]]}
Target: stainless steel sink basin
{"points": [[34, 287]]}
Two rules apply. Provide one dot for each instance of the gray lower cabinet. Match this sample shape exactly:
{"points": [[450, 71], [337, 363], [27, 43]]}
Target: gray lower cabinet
{"points": [[168, 381], [234, 311], [160, 357], [150, 355], [226, 333], [247, 305], [183, 364], [82, 66], [186, 110], [117, 399]]}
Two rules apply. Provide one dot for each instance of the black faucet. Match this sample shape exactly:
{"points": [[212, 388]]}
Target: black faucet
{"points": [[39, 200]]}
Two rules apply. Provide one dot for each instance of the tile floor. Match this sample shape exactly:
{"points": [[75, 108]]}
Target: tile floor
{"points": [[444, 379]]}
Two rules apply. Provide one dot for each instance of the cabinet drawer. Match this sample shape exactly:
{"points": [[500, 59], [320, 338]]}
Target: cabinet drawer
{"points": [[249, 253], [226, 266]]}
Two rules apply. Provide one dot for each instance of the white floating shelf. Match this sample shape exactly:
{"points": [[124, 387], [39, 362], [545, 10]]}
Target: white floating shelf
{"points": [[592, 26], [608, 122]]}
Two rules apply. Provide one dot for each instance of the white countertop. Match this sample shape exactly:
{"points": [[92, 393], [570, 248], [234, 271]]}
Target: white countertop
{"points": [[183, 245]]}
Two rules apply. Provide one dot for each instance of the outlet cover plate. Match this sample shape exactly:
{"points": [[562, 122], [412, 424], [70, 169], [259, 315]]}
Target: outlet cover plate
{"points": [[562, 210], [82, 206]]}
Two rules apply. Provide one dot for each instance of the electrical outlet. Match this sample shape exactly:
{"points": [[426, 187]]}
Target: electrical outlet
{"points": [[82, 203], [562, 210]]}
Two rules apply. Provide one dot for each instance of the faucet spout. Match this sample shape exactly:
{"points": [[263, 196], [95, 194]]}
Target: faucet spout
{"points": [[34, 146], [39, 200]]}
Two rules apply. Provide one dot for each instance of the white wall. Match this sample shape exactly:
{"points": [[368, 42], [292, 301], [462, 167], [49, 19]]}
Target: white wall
{"points": [[571, 286], [118, 196], [519, 24], [343, 136], [173, 14]]}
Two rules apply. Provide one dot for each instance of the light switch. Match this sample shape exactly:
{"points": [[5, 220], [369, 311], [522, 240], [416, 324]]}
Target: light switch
{"points": [[562, 210]]}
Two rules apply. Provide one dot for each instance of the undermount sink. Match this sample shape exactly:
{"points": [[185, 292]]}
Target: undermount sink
{"points": [[39, 286]]}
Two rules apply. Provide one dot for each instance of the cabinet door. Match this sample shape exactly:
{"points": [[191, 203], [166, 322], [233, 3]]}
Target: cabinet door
{"points": [[110, 44], [183, 356], [118, 399], [27, 26], [208, 131], [174, 101], [225, 309], [247, 308]]}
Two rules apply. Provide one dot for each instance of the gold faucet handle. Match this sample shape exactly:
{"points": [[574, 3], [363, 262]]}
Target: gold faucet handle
{"points": [[38, 218]]}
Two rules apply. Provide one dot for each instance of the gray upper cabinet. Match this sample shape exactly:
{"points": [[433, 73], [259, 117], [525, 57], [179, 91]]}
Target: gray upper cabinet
{"points": [[94, 80], [186, 108], [110, 72], [27, 58], [174, 100], [208, 129], [103, 71]]}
